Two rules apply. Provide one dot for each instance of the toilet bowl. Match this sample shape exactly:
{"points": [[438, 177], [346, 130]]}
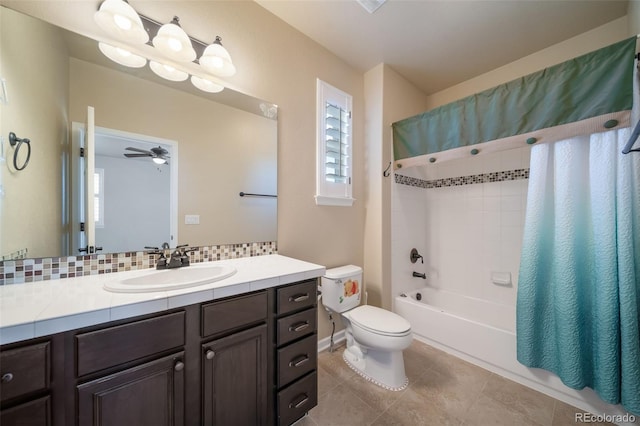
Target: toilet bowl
{"points": [[375, 337]]}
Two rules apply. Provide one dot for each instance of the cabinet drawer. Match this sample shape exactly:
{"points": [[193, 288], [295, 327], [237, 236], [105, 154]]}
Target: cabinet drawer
{"points": [[24, 370], [297, 399], [32, 413], [297, 325], [297, 296], [112, 346], [230, 314], [297, 359]]}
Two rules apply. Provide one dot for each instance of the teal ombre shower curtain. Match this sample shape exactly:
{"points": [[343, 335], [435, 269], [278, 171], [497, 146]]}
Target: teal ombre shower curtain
{"points": [[578, 308]]}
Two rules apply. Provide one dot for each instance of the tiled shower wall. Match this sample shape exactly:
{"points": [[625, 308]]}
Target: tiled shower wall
{"points": [[53, 268], [466, 218]]}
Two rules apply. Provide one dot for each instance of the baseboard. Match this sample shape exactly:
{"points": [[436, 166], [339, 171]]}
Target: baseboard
{"points": [[323, 344]]}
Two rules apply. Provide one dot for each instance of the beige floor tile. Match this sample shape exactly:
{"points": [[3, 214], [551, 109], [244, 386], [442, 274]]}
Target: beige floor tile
{"points": [[565, 415], [451, 393], [487, 411], [412, 409], [534, 405], [373, 394], [305, 421], [334, 365], [341, 406]]}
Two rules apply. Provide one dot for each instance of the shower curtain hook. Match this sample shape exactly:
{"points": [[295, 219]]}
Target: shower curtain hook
{"points": [[386, 172]]}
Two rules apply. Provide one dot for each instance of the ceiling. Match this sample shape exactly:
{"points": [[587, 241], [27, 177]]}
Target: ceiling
{"points": [[437, 44]]}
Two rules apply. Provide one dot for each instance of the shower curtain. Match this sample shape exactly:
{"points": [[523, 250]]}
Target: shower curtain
{"points": [[578, 307]]}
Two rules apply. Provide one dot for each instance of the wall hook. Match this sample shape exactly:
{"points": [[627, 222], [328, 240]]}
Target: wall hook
{"points": [[386, 172]]}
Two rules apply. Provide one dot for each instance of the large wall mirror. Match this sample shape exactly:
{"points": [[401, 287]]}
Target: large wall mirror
{"points": [[218, 146]]}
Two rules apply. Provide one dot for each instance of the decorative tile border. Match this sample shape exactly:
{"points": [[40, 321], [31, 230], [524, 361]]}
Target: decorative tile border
{"points": [[54, 268], [463, 180]]}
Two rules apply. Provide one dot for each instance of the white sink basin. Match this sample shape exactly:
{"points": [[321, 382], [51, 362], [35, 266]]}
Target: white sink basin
{"points": [[171, 279]]}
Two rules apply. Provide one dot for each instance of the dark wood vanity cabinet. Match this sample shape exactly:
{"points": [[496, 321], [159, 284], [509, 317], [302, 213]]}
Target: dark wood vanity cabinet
{"points": [[296, 383], [249, 359], [25, 384], [235, 380]]}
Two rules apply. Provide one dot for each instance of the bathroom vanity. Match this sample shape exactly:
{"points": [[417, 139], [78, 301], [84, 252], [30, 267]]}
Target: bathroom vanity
{"points": [[240, 351]]}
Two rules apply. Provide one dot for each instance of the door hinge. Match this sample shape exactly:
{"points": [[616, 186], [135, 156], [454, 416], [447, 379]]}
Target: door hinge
{"points": [[349, 114], [81, 226], [81, 152]]}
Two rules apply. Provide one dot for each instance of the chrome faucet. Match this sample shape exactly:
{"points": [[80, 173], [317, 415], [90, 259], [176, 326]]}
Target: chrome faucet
{"points": [[177, 259]]}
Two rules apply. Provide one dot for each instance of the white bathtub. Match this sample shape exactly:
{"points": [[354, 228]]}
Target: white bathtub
{"points": [[483, 333]]}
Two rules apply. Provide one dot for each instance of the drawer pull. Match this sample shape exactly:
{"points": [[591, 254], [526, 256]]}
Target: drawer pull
{"points": [[297, 362], [179, 366], [299, 326], [300, 403], [210, 354], [7, 377], [299, 298]]}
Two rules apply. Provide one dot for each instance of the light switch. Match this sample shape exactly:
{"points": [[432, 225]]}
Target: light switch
{"points": [[192, 219]]}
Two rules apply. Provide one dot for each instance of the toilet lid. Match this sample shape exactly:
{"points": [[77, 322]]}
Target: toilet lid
{"points": [[379, 320]]}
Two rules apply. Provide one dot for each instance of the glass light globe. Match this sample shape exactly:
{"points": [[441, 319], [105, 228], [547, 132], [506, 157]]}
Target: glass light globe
{"points": [[206, 85], [122, 56], [121, 21], [167, 71], [174, 43], [217, 60]]}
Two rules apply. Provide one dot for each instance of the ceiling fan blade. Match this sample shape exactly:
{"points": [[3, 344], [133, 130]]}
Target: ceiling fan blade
{"points": [[131, 148], [137, 155]]}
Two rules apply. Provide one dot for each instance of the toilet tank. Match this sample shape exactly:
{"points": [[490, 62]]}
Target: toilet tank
{"points": [[341, 288]]}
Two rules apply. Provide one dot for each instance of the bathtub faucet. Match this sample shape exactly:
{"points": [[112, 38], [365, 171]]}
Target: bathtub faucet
{"points": [[419, 275]]}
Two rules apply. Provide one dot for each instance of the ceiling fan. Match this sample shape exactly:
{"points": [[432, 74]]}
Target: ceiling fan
{"points": [[158, 155]]}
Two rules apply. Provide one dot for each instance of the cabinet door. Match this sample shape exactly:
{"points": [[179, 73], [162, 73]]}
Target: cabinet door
{"points": [[33, 413], [150, 394], [235, 379]]}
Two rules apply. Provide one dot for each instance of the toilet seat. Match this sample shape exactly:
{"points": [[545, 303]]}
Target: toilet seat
{"points": [[379, 321]]}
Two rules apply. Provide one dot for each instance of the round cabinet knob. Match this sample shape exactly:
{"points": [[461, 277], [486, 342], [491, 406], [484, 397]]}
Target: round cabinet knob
{"points": [[6, 378], [179, 366], [210, 354]]}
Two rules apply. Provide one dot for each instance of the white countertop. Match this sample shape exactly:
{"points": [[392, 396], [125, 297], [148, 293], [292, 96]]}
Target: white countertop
{"points": [[38, 309]]}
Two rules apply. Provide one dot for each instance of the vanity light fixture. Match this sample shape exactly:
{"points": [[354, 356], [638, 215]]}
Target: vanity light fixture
{"points": [[167, 71], [206, 85], [122, 56], [174, 43], [120, 20], [216, 59], [170, 41]]}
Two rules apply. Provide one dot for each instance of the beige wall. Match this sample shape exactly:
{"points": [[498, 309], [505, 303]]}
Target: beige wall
{"points": [[31, 211], [633, 14], [389, 97], [221, 151]]}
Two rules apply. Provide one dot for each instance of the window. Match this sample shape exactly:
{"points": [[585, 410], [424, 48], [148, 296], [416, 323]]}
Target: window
{"points": [[333, 180], [98, 197]]}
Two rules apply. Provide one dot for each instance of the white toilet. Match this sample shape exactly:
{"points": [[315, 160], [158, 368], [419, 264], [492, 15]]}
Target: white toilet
{"points": [[375, 337]]}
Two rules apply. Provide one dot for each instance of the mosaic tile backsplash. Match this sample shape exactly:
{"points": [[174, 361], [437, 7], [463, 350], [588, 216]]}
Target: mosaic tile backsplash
{"points": [[54, 268], [463, 180]]}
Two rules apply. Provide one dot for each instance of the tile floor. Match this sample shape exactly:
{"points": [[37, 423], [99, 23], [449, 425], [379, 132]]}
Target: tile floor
{"points": [[443, 390]]}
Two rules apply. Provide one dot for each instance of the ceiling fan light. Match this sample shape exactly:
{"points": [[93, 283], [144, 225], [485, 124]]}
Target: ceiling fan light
{"points": [[174, 43], [216, 59], [121, 21], [159, 160], [167, 71], [122, 56], [206, 85]]}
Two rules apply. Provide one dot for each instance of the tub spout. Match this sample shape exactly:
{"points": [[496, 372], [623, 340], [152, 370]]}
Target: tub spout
{"points": [[419, 275]]}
